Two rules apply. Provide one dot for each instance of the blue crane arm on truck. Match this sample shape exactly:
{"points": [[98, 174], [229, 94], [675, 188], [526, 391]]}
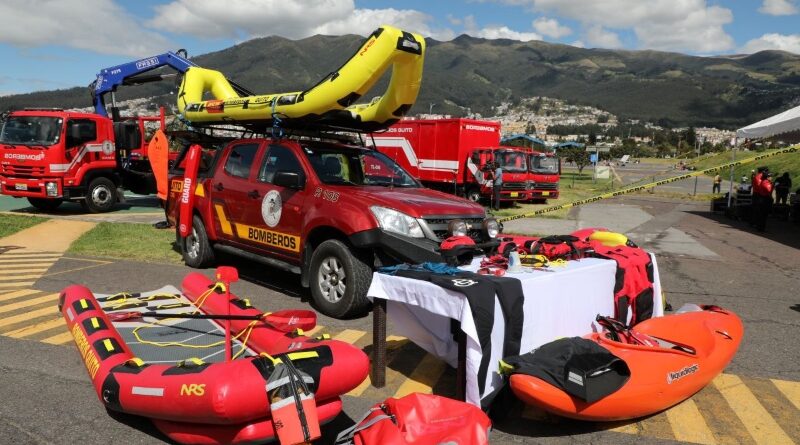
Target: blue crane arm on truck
{"points": [[133, 73]]}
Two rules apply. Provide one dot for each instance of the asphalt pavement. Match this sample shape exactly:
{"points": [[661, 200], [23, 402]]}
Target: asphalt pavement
{"points": [[702, 258]]}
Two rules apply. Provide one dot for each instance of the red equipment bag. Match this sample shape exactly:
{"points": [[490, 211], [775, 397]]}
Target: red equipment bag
{"points": [[419, 419], [634, 281], [554, 247]]}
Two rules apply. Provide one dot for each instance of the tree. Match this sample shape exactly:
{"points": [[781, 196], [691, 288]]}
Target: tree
{"points": [[578, 155], [690, 137]]}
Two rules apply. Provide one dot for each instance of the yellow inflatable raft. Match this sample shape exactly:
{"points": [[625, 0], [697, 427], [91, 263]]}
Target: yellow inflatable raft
{"points": [[330, 102]]}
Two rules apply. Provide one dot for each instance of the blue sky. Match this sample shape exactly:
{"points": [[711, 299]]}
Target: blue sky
{"points": [[50, 44]]}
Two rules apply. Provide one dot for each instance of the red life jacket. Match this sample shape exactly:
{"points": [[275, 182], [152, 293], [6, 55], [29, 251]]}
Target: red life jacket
{"points": [[633, 289], [419, 419], [566, 247]]}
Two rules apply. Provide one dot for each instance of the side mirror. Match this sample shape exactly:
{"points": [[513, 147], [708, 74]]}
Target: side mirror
{"points": [[290, 180]]}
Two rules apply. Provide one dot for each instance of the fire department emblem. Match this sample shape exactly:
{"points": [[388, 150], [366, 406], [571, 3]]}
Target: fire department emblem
{"points": [[271, 208], [108, 148]]}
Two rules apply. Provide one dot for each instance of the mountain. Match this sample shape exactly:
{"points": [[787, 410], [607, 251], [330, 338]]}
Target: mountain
{"points": [[476, 74]]}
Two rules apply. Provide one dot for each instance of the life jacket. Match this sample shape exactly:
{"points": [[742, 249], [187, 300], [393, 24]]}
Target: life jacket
{"points": [[633, 288], [419, 419], [564, 247]]}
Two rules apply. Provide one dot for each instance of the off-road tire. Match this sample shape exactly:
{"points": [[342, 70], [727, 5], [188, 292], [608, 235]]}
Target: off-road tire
{"points": [[196, 248], [44, 204], [473, 194], [101, 195], [353, 275]]}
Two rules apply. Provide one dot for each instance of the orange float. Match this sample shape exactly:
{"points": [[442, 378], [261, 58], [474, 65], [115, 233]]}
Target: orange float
{"points": [[704, 342]]}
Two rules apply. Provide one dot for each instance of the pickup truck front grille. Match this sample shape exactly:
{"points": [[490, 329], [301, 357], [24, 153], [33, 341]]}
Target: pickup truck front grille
{"points": [[513, 186], [22, 171], [438, 226], [544, 186]]}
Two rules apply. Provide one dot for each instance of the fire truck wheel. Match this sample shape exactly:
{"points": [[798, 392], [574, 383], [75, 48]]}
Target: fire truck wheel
{"points": [[101, 195], [45, 204], [196, 249], [473, 194], [339, 280]]}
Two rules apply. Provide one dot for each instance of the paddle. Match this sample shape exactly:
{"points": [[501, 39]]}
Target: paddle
{"points": [[286, 320]]}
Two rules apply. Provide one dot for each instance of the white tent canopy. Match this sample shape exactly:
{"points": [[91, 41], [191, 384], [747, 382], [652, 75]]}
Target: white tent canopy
{"points": [[785, 122]]}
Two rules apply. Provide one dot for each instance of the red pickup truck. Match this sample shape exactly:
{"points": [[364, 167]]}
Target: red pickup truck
{"points": [[327, 210]]}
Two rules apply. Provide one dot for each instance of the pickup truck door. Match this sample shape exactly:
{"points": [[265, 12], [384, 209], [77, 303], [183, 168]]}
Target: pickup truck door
{"points": [[231, 189], [274, 217]]}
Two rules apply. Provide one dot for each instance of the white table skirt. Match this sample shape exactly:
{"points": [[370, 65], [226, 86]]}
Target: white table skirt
{"points": [[563, 303]]}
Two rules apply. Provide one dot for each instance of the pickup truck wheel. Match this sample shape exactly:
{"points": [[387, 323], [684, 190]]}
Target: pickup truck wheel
{"points": [[473, 194], [101, 195], [45, 204], [196, 248], [339, 280]]}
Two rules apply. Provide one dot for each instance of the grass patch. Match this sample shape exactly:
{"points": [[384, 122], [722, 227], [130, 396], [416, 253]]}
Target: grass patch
{"points": [[787, 162], [128, 241], [10, 224]]}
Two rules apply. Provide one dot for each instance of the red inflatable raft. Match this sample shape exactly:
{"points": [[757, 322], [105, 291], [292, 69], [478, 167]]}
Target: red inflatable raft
{"points": [[694, 347], [197, 401]]}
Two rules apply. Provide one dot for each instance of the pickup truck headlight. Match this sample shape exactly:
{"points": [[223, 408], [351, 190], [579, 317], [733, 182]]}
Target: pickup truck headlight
{"points": [[490, 228], [397, 222], [51, 188], [457, 227]]}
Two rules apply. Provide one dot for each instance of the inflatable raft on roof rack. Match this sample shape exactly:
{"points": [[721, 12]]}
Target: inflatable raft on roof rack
{"points": [[331, 102]]}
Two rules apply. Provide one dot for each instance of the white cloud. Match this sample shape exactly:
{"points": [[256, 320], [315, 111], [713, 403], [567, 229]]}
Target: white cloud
{"points": [[778, 7], [291, 19], [578, 43], [671, 25], [99, 26], [599, 37], [790, 43], [550, 28], [504, 32], [496, 31]]}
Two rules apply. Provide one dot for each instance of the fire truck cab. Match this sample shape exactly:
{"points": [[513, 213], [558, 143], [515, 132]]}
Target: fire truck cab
{"points": [[50, 156]]}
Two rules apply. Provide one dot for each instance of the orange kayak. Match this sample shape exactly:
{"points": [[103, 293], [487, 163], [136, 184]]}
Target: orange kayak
{"points": [[696, 347]]}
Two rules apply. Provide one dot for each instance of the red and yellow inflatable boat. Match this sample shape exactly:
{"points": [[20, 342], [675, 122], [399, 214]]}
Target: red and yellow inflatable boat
{"points": [[151, 369], [693, 348]]}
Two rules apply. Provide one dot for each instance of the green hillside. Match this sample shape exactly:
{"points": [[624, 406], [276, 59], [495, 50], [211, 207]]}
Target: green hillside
{"points": [[787, 162], [476, 74]]}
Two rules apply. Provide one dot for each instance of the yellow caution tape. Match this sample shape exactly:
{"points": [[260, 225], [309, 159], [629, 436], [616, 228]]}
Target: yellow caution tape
{"points": [[625, 191]]}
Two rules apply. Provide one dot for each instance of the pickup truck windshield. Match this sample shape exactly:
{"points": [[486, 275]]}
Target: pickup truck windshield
{"points": [[544, 164], [31, 130], [348, 166], [512, 161]]}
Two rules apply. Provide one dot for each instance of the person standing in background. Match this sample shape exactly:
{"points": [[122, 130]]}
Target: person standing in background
{"points": [[782, 187], [717, 184], [762, 199], [497, 185]]}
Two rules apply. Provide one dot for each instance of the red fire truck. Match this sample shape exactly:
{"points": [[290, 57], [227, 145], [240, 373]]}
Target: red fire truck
{"points": [[544, 172], [456, 155], [51, 155]]}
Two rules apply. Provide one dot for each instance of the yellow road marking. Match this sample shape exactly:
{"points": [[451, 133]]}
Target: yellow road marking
{"points": [[423, 377], [358, 390], [349, 336], [74, 270], [789, 389], [59, 339], [312, 331], [21, 277], [18, 284], [4, 261], [688, 424], [16, 271], [49, 310], [37, 328], [26, 266], [628, 428], [761, 426], [27, 303], [17, 294], [28, 256]]}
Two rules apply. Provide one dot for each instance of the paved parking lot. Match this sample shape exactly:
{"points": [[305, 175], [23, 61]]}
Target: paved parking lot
{"points": [[702, 258]]}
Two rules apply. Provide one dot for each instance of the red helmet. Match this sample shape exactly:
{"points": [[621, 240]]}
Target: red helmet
{"points": [[455, 241]]}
